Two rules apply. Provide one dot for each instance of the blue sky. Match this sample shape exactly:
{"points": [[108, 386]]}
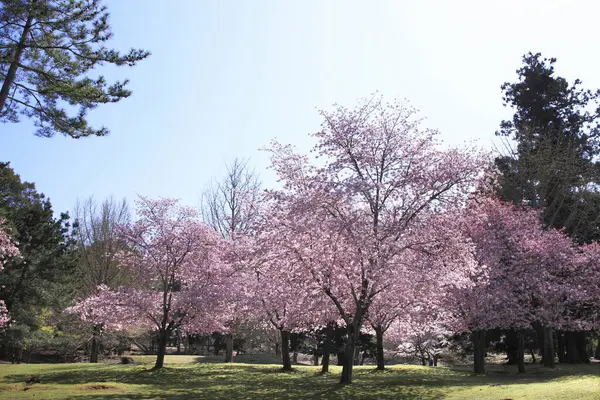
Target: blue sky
{"points": [[225, 77]]}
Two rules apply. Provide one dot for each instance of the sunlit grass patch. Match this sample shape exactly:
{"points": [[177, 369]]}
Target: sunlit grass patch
{"points": [[187, 377]]}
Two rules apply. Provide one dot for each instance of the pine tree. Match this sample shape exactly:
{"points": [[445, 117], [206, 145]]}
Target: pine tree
{"points": [[553, 167], [47, 50]]}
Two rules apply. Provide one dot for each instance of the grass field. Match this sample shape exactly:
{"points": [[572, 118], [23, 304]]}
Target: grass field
{"points": [[190, 377]]}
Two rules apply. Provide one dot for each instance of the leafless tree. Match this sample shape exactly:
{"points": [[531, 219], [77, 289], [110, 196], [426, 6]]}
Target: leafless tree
{"points": [[98, 246], [98, 241], [230, 206]]}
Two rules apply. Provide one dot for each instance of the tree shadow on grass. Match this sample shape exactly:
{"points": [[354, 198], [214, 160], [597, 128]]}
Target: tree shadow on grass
{"points": [[245, 381]]}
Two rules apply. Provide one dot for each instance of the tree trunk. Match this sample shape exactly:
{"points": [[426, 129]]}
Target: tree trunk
{"points": [[478, 338], [341, 357], [325, 362], [94, 350], [315, 356], [229, 348], [512, 347], [560, 338], [521, 352], [548, 358], [285, 350], [294, 343], [380, 359], [353, 330], [580, 340], [571, 345], [178, 341], [277, 350], [597, 352], [217, 344], [14, 65], [163, 336], [540, 336], [327, 348], [356, 355]]}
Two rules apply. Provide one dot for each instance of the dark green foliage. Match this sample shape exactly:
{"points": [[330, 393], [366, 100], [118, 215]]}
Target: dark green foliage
{"points": [[553, 167], [42, 280], [48, 48]]}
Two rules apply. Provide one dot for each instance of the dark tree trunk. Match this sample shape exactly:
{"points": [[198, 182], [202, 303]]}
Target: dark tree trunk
{"points": [[572, 353], [380, 359], [94, 350], [548, 358], [353, 330], [327, 348], [512, 347], [341, 357], [14, 64], [285, 350], [435, 360], [597, 353], [163, 337], [348, 363], [277, 352], [560, 338], [229, 348], [294, 344], [521, 352], [325, 362], [179, 341], [540, 336], [315, 357], [356, 355], [217, 344], [478, 338], [580, 339]]}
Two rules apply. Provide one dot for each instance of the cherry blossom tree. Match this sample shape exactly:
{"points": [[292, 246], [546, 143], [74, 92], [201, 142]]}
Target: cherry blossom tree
{"points": [[434, 264], [522, 273], [280, 293], [8, 250], [573, 292], [178, 262], [583, 294], [382, 172]]}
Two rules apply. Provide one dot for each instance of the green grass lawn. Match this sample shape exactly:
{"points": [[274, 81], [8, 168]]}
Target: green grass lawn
{"points": [[194, 378]]}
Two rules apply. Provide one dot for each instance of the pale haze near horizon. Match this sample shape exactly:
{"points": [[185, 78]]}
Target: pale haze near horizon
{"points": [[226, 77]]}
